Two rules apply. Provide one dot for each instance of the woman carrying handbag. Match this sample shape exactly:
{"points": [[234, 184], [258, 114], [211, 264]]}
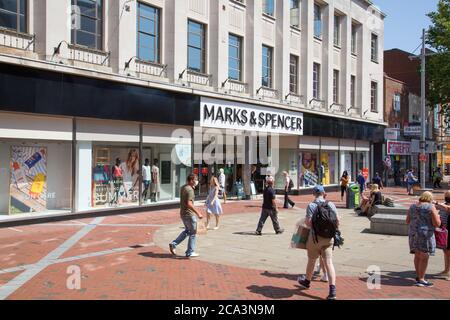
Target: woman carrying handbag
{"points": [[442, 239]]}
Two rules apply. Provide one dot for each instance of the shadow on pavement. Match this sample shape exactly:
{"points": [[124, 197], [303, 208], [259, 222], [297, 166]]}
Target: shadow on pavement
{"points": [[395, 279], [280, 293], [161, 255], [287, 276], [248, 233]]}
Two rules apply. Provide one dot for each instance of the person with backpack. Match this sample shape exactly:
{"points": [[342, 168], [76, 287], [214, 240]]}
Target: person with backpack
{"points": [[410, 180], [361, 181], [322, 218], [288, 185]]}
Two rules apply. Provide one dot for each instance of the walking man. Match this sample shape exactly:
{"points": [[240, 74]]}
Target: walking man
{"points": [[288, 185], [188, 215], [269, 209], [322, 218]]}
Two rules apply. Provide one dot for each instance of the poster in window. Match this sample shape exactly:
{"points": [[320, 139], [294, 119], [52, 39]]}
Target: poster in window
{"points": [[28, 184]]}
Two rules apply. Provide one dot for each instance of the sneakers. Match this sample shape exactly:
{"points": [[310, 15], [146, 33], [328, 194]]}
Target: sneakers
{"points": [[304, 282], [280, 231], [332, 295], [421, 283], [193, 255], [324, 278], [216, 228], [258, 233], [172, 249]]}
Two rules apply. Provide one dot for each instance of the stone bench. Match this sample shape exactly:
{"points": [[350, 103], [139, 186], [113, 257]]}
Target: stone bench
{"points": [[391, 224], [397, 209]]}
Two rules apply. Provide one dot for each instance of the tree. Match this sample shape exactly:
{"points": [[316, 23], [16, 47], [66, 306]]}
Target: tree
{"points": [[438, 65]]}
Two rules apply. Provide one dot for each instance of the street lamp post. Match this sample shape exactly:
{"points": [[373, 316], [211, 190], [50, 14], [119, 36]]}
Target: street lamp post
{"points": [[423, 114]]}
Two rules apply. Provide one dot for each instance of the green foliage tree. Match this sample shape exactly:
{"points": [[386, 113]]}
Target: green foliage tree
{"points": [[438, 65]]}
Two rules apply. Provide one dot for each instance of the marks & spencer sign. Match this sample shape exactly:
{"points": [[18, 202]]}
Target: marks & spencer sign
{"points": [[402, 148], [240, 116]]}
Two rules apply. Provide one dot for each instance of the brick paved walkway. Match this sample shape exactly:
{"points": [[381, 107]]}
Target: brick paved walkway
{"points": [[119, 258]]}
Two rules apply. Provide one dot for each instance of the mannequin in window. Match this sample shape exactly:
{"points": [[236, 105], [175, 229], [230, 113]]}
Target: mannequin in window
{"points": [[117, 177], [146, 178], [155, 184]]}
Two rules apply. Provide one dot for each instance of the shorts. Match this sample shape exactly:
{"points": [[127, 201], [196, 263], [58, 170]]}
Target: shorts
{"points": [[323, 248]]}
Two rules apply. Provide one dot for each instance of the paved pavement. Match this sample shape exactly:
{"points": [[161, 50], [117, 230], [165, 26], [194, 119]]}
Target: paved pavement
{"points": [[126, 257]]}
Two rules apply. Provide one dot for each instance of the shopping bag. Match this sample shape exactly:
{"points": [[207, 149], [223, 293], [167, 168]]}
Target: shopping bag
{"points": [[441, 235], [300, 236], [201, 226]]}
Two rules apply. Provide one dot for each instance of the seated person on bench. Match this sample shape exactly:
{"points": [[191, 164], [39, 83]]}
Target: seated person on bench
{"points": [[374, 199]]}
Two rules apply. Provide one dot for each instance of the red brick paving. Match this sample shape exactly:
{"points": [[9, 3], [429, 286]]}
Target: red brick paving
{"points": [[152, 273]]}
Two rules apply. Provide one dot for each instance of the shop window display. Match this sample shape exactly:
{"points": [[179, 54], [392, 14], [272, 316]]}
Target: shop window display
{"points": [[309, 171], [115, 176], [328, 168], [35, 177]]}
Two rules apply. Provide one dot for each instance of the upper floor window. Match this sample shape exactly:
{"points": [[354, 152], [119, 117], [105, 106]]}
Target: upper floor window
{"points": [[337, 31], [374, 48], [397, 102], [354, 40], [295, 13], [148, 33], [352, 91], [316, 81], [267, 66], [373, 96], [90, 31], [293, 74], [235, 57], [196, 47], [317, 21], [269, 7], [13, 15], [335, 86]]}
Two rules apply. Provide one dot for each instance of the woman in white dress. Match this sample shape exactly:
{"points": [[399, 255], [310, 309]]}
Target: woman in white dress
{"points": [[213, 205]]}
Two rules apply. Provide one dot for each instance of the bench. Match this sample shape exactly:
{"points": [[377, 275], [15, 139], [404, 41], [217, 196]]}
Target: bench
{"points": [[391, 224], [396, 209]]}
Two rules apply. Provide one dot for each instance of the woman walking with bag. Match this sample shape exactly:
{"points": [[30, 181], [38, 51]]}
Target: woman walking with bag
{"points": [[444, 212], [345, 180], [422, 219], [213, 205]]}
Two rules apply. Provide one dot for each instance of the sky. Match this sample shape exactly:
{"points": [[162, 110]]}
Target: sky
{"points": [[405, 21]]}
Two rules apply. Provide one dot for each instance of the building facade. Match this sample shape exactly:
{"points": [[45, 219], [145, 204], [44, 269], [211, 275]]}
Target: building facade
{"points": [[403, 113], [86, 84]]}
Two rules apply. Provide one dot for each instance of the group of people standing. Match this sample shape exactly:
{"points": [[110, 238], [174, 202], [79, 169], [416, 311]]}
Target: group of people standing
{"points": [[423, 219]]}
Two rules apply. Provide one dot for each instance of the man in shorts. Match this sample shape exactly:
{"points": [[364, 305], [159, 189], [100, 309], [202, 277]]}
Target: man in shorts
{"points": [[318, 246]]}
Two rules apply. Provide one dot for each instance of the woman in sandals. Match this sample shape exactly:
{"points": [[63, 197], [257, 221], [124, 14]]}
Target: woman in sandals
{"points": [[422, 219], [213, 205]]}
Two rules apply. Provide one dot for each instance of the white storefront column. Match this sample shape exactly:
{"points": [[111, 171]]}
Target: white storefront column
{"points": [[83, 199]]}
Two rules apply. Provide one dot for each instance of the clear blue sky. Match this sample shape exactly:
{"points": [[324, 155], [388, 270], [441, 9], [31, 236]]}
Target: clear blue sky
{"points": [[405, 21]]}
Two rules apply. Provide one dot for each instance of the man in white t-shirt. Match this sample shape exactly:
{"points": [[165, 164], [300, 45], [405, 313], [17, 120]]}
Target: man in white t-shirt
{"points": [[222, 185], [146, 178]]}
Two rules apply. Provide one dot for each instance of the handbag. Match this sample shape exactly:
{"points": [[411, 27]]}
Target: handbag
{"points": [[441, 235], [300, 236], [201, 226]]}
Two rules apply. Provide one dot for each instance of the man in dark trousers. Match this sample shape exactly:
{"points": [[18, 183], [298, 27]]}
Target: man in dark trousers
{"points": [[269, 209], [288, 184]]}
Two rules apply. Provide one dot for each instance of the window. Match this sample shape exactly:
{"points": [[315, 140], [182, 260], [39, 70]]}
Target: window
{"points": [[90, 32], [295, 13], [352, 91], [397, 101], [269, 7], [397, 125], [374, 47], [267, 66], [335, 86], [13, 15], [148, 33], [337, 30], [196, 46], [316, 81], [234, 57], [317, 21], [354, 44], [373, 96], [293, 74]]}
